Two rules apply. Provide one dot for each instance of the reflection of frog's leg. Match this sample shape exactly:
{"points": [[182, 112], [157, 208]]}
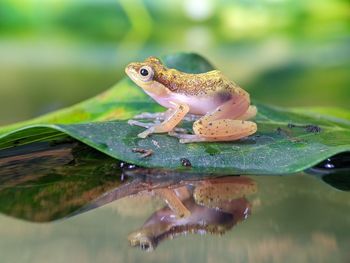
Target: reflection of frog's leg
{"points": [[214, 193], [175, 116], [173, 201], [220, 125], [250, 113]]}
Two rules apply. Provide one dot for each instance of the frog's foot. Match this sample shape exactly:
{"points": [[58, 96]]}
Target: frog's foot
{"points": [[140, 124], [146, 132]]}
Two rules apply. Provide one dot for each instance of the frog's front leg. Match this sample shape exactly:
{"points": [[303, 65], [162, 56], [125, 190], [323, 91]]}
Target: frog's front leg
{"points": [[174, 116], [222, 124]]}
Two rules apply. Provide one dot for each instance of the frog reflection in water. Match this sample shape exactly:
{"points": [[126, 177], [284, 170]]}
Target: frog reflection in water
{"points": [[222, 105], [208, 206]]}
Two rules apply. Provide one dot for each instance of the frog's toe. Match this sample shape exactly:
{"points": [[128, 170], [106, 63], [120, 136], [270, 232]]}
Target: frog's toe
{"points": [[143, 135]]}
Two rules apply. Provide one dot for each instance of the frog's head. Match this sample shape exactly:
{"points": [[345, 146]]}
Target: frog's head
{"points": [[144, 75]]}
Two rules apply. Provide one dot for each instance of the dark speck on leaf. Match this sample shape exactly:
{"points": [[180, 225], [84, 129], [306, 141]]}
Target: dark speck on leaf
{"points": [[290, 125], [145, 152], [313, 128], [185, 162], [308, 128]]}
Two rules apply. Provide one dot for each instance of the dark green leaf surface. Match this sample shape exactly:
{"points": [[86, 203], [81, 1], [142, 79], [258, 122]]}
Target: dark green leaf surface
{"points": [[275, 149]]}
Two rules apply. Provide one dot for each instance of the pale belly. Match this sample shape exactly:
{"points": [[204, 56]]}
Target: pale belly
{"points": [[198, 105]]}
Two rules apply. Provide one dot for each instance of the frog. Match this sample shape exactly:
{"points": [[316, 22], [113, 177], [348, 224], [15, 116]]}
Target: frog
{"points": [[222, 108]]}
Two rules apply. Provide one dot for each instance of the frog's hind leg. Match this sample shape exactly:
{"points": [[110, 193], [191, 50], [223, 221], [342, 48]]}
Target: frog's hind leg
{"points": [[222, 123], [221, 129]]}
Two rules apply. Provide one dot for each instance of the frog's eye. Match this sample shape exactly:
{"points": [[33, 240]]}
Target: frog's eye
{"points": [[146, 73]]}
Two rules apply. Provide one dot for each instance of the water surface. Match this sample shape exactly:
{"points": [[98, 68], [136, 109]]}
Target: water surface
{"points": [[63, 202]]}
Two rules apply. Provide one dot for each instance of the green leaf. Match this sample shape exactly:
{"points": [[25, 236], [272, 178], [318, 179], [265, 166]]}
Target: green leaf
{"points": [[274, 149]]}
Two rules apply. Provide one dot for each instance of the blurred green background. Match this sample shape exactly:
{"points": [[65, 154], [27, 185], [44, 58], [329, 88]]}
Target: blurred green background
{"points": [[54, 53]]}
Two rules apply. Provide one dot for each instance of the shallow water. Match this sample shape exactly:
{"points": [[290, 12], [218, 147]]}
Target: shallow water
{"points": [[64, 202]]}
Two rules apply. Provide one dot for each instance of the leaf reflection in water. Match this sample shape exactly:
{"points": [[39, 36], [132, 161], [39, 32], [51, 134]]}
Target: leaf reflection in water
{"points": [[47, 181]]}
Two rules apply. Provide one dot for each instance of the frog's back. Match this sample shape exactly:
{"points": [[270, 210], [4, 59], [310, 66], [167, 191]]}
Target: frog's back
{"points": [[195, 84]]}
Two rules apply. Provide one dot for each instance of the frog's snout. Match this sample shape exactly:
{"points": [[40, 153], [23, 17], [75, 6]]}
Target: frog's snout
{"points": [[129, 68], [132, 71]]}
